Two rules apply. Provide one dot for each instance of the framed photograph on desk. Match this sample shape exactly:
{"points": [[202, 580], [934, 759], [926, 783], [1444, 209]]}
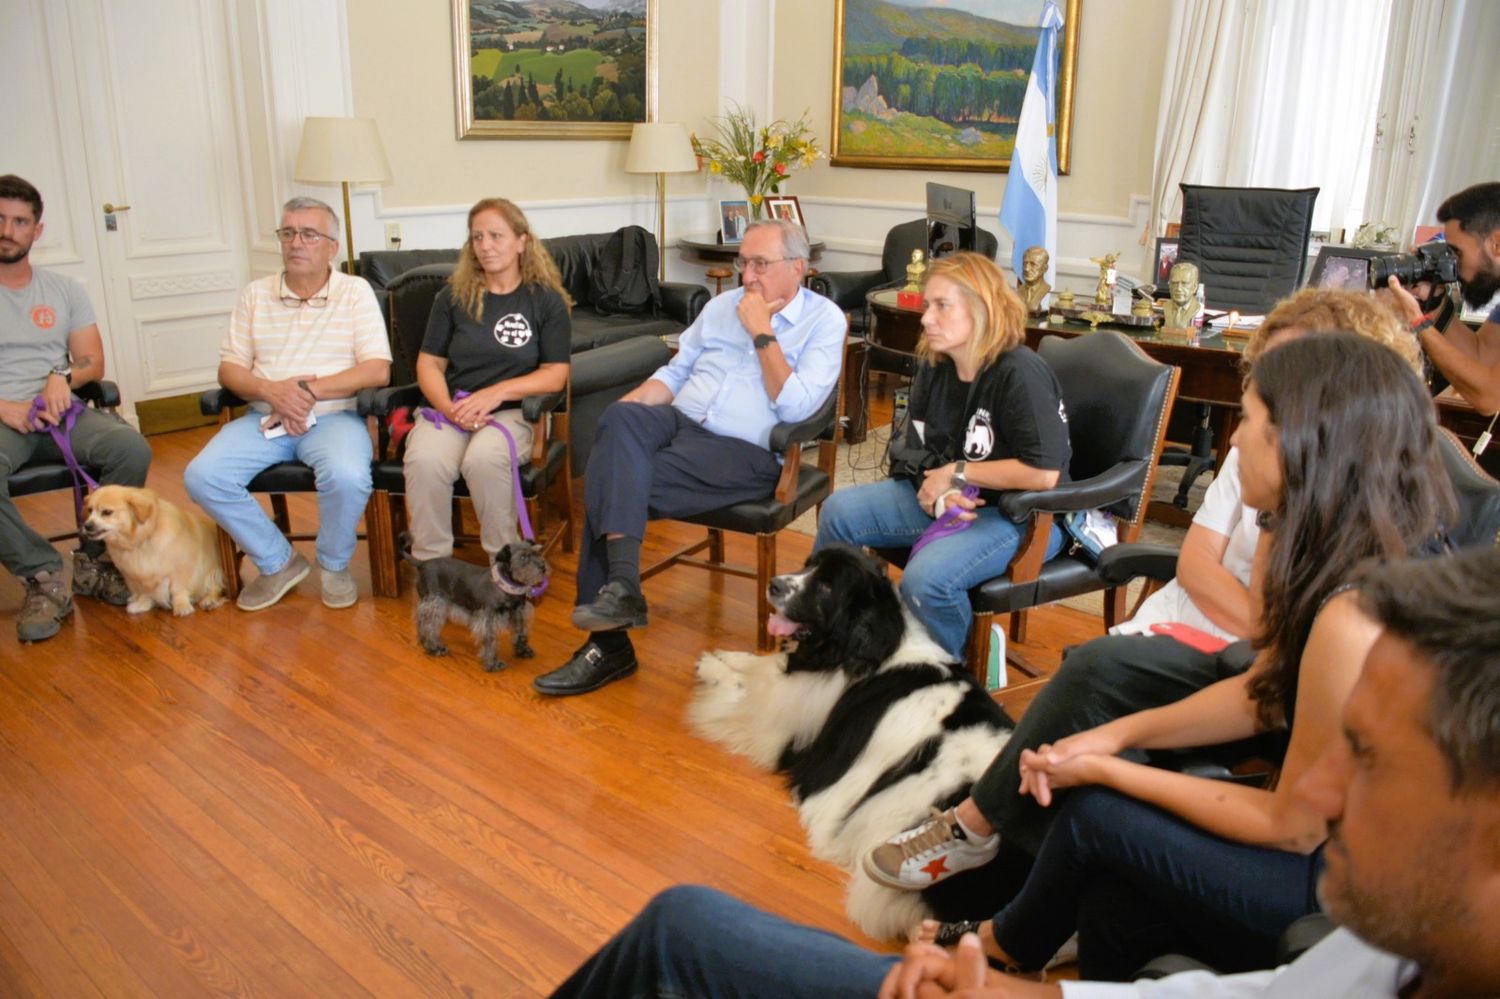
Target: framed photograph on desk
{"points": [[1166, 256], [734, 219], [785, 207]]}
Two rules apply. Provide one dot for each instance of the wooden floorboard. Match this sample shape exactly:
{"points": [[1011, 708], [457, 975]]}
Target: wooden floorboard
{"points": [[301, 802]]}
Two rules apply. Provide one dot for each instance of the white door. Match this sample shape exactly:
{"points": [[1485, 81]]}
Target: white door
{"points": [[134, 107]]}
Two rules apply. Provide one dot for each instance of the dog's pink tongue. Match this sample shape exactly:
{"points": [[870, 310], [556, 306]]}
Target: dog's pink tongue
{"points": [[781, 627]]}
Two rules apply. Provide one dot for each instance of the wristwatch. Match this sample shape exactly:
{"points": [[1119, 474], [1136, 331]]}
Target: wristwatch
{"points": [[763, 340], [959, 481], [65, 369]]}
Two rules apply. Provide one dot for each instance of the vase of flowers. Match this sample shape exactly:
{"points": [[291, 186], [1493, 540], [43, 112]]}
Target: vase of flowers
{"points": [[758, 159]]}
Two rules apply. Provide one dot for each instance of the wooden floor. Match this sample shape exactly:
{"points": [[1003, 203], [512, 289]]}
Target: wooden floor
{"points": [[299, 802]]}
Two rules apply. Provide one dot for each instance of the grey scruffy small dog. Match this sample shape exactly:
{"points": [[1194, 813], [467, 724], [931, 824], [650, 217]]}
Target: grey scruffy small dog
{"points": [[449, 589]]}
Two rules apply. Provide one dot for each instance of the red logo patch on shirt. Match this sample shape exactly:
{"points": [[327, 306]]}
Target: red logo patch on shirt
{"points": [[44, 317]]}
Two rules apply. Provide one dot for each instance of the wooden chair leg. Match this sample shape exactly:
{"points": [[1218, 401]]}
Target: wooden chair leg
{"points": [[1115, 606], [977, 648], [1018, 627], [229, 559], [715, 545], [765, 568], [280, 514], [380, 527], [567, 519]]}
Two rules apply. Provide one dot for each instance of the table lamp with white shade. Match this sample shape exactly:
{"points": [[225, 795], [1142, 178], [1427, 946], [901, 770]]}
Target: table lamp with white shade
{"points": [[660, 147], [342, 151]]}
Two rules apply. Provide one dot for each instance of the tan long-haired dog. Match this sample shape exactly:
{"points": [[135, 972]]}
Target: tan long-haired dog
{"points": [[168, 556]]}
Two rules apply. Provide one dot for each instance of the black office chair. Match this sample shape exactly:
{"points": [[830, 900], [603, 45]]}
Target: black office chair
{"points": [[1250, 245], [848, 289], [39, 476], [1117, 400], [800, 488]]}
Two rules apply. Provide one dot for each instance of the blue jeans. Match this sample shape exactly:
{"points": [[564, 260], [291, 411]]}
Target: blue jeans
{"points": [[692, 941], [339, 451], [1136, 882], [935, 584]]}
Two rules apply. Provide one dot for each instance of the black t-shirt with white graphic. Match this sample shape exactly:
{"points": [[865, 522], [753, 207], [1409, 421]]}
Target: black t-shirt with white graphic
{"points": [[520, 332], [1013, 409]]}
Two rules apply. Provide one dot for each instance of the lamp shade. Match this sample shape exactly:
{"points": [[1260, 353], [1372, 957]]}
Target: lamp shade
{"points": [[342, 149], [660, 147]]}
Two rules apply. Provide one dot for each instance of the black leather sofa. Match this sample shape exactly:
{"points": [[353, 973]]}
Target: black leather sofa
{"points": [[407, 281]]}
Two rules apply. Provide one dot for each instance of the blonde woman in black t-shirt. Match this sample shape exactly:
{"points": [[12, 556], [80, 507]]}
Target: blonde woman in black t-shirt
{"points": [[985, 411], [499, 332]]}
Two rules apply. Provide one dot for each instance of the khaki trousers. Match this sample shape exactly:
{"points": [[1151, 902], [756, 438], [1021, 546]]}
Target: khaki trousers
{"points": [[436, 456]]}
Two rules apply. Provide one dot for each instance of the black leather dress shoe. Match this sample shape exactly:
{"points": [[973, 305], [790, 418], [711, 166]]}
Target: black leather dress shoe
{"points": [[614, 608], [589, 669]]}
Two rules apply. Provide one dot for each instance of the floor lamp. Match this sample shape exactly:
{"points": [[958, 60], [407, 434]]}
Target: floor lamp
{"points": [[660, 147], [342, 151]]}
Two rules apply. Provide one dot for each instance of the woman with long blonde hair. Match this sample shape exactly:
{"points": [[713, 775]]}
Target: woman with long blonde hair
{"points": [[985, 411], [499, 332]]}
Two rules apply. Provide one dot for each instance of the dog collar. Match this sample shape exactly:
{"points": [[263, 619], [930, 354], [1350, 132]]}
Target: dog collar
{"points": [[516, 589]]}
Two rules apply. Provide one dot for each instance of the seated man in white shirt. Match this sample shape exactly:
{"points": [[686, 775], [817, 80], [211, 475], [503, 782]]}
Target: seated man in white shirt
{"points": [[301, 343], [1417, 777]]}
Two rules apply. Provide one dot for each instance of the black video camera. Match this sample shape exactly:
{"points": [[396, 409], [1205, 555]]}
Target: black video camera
{"points": [[1435, 262]]}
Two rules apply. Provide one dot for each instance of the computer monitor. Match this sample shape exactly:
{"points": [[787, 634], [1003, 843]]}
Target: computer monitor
{"points": [[1345, 267], [951, 221]]}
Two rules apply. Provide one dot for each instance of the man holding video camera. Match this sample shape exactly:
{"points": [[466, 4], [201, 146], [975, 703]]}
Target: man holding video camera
{"points": [[1469, 359]]}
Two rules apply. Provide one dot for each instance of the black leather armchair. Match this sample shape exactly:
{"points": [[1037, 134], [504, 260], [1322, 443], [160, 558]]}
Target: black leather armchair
{"points": [[38, 476], [544, 473], [848, 289], [801, 487], [1117, 400]]}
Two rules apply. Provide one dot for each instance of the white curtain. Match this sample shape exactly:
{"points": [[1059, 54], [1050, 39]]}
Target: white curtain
{"points": [[1270, 93], [1438, 117]]}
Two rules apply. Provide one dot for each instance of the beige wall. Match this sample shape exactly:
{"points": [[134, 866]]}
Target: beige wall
{"points": [[401, 65], [401, 56], [1114, 118]]}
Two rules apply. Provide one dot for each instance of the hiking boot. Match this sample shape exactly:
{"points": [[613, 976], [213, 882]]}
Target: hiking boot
{"points": [[47, 603], [922, 856], [616, 607], [264, 590], [339, 590], [97, 577]]}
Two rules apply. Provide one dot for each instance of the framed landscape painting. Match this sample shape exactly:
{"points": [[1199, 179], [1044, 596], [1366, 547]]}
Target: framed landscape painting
{"points": [[938, 84], [540, 69]]}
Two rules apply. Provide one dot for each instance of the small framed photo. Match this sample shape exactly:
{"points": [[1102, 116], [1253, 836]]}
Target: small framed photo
{"points": [[785, 207], [734, 219], [1166, 256]]}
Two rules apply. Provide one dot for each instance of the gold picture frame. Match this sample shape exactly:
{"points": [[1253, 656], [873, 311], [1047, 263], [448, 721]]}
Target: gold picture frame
{"points": [[862, 139], [472, 125]]}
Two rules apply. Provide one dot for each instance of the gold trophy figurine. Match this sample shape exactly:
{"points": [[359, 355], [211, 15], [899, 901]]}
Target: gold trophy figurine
{"points": [[1102, 297], [915, 272]]}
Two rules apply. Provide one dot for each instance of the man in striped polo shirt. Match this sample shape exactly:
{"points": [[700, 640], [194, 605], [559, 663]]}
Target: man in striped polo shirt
{"points": [[301, 343]]}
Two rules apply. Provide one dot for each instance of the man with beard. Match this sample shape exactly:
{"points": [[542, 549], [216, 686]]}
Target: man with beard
{"points": [[1469, 359], [49, 346]]}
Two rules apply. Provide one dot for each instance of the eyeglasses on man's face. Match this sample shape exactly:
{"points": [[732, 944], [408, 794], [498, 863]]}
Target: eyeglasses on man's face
{"points": [[293, 301], [310, 237], [756, 265]]}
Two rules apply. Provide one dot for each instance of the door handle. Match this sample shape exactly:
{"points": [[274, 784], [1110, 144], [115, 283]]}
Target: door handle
{"points": [[110, 209]]}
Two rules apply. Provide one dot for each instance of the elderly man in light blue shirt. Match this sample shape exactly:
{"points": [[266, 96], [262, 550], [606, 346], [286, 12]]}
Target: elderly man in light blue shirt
{"points": [[695, 436]]}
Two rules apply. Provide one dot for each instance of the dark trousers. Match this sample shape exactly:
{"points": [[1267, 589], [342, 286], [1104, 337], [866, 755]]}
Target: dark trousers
{"points": [[103, 443], [1098, 681], [697, 942], [1136, 882], [651, 462]]}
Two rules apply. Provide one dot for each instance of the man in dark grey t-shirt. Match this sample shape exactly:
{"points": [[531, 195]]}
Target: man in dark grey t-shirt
{"points": [[50, 345]]}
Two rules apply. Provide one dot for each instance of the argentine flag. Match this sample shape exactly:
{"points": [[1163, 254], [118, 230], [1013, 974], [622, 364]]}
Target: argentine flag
{"points": [[1028, 211]]}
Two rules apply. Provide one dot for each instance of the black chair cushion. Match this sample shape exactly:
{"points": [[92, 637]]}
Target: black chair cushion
{"points": [[382, 267], [592, 329], [1250, 243], [767, 516], [31, 479], [285, 477], [1064, 576]]}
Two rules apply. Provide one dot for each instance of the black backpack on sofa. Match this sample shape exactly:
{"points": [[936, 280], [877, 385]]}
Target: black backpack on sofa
{"points": [[623, 281]]}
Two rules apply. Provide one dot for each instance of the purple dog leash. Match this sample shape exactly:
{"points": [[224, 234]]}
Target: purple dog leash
{"points": [[62, 433], [948, 523], [433, 416]]}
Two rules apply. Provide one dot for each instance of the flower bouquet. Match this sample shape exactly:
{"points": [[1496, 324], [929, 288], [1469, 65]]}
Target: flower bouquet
{"points": [[758, 159]]}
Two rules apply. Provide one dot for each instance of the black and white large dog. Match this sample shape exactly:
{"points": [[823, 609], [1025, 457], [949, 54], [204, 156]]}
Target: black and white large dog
{"points": [[872, 723]]}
